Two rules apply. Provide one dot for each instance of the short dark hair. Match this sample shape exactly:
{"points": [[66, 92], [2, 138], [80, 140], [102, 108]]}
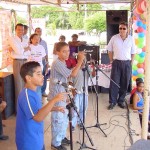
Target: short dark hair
{"points": [[19, 24], [62, 37], [32, 36], [28, 69], [25, 27], [139, 82], [75, 35], [124, 23], [59, 45], [37, 29]]}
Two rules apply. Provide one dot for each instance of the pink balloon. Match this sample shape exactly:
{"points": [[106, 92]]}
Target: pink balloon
{"points": [[140, 70]]}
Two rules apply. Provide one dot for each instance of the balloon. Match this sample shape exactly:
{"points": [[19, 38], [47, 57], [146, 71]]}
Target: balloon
{"points": [[134, 67], [139, 23], [140, 65], [140, 45], [141, 60], [141, 39], [140, 29], [143, 5], [136, 41], [135, 73], [144, 49], [134, 78], [138, 50], [141, 35], [140, 75], [140, 70], [142, 54], [134, 83], [137, 57], [135, 62]]}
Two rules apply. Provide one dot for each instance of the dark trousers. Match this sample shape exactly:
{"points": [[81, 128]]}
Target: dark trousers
{"points": [[1, 126], [121, 74]]}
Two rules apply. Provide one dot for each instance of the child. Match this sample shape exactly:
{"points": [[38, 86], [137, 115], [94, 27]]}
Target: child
{"points": [[60, 72], [134, 90], [138, 101], [78, 82], [37, 54], [30, 113]]}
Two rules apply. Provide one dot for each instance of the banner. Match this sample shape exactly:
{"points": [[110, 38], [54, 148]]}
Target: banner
{"points": [[5, 32]]}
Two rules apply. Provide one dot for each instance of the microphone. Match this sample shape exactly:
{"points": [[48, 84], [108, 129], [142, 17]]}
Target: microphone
{"points": [[65, 85], [74, 54]]}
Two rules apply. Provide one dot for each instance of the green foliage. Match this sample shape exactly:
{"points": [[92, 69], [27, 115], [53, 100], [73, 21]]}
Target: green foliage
{"points": [[21, 20], [66, 20], [96, 21], [51, 29]]}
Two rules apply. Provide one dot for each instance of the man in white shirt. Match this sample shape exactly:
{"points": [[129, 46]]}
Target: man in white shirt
{"points": [[121, 50], [20, 52]]}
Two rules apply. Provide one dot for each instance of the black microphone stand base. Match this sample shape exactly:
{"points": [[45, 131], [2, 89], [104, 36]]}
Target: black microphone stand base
{"points": [[83, 145], [97, 125]]}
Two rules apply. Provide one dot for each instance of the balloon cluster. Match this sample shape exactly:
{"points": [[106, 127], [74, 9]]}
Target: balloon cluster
{"points": [[139, 27]]}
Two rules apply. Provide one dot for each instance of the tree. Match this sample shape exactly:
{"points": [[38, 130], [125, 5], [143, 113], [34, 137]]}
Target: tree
{"points": [[96, 21]]}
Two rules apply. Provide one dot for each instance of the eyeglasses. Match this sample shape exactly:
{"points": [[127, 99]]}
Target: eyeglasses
{"points": [[122, 29]]}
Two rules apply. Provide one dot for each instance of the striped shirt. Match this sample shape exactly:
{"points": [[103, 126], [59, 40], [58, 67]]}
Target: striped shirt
{"points": [[78, 82], [60, 72]]}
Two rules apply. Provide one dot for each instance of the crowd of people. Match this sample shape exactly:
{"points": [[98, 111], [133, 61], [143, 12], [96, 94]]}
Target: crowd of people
{"points": [[30, 65]]}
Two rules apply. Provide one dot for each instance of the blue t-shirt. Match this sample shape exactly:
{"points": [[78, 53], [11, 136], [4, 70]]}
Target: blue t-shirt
{"points": [[29, 133]]}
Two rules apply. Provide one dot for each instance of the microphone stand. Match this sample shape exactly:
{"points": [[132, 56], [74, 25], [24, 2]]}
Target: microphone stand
{"points": [[83, 145], [106, 75], [69, 106], [97, 125]]}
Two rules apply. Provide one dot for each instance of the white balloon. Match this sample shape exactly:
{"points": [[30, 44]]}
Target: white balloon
{"points": [[138, 50], [135, 62]]}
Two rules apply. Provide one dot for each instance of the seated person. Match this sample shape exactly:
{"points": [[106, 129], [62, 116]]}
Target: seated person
{"points": [[138, 101], [2, 107], [134, 90]]}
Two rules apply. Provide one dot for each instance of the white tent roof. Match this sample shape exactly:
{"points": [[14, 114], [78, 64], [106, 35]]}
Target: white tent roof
{"points": [[59, 2]]}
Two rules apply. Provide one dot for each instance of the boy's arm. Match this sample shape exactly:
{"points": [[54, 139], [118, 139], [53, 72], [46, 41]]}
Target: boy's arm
{"points": [[43, 112]]}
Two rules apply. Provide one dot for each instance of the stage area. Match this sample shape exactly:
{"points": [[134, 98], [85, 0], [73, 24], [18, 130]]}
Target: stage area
{"points": [[116, 129]]}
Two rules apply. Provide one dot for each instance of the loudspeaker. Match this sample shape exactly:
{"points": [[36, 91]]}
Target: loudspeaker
{"points": [[7, 93], [113, 18], [92, 52]]}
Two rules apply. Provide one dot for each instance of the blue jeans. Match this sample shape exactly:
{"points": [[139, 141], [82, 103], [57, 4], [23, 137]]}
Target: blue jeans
{"points": [[59, 127], [79, 104], [43, 88]]}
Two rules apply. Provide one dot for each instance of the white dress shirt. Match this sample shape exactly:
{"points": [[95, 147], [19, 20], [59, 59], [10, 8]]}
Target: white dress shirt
{"points": [[122, 49], [18, 47]]}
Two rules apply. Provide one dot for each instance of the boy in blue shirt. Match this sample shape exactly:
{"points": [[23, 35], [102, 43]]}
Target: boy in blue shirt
{"points": [[30, 113]]}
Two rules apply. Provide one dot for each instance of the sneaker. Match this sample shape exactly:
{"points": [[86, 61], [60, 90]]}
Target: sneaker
{"points": [[58, 147], [65, 141]]}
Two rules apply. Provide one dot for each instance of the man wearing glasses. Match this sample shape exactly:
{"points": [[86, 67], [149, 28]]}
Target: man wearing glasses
{"points": [[121, 50]]}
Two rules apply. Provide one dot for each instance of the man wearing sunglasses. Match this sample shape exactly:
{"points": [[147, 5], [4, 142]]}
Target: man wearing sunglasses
{"points": [[121, 50]]}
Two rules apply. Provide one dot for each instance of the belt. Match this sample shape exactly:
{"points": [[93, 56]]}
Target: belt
{"points": [[122, 60], [21, 59]]}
